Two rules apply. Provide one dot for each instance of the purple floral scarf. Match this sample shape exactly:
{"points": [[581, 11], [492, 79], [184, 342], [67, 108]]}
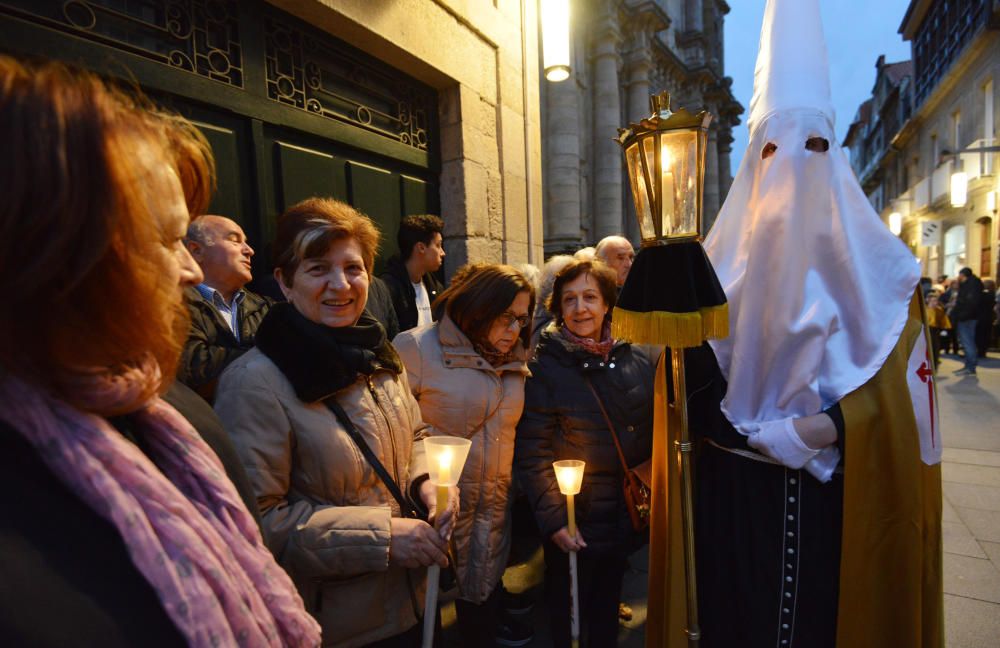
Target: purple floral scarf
{"points": [[186, 529]]}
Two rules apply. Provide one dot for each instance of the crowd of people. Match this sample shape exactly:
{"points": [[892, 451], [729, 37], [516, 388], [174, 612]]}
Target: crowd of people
{"points": [[202, 464], [195, 463], [963, 314]]}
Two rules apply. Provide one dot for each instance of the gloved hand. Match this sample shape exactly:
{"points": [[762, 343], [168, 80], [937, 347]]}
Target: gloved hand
{"points": [[780, 441]]}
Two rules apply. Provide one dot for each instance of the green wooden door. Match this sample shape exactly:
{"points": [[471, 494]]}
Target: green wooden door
{"points": [[290, 111]]}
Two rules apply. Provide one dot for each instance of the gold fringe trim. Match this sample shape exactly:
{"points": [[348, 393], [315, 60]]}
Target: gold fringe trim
{"points": [[676, 330]]}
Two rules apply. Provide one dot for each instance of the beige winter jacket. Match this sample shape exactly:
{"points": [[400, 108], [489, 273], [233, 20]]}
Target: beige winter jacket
{"points": [[326, 513], [461, 394]]}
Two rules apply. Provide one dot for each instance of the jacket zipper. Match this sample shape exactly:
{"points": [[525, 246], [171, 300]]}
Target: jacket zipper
{"points": [[388, 426]]}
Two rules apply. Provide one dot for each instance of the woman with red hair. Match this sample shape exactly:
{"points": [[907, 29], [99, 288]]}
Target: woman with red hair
{"points": [[125, 529]]}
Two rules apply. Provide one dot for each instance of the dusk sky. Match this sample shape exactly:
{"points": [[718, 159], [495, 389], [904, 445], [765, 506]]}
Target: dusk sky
{"points": [[857, 31]]}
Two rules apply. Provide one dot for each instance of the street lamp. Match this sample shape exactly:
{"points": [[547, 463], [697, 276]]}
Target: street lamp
{"points": [[895, 223], [555, 39], [959, 186], [959, 178]]}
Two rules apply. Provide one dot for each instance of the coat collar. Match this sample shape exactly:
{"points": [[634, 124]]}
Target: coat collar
{"points": [[568, 354], [457, 351]]}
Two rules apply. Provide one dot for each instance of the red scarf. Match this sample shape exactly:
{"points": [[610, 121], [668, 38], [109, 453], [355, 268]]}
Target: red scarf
{"points": [[602, 348]]}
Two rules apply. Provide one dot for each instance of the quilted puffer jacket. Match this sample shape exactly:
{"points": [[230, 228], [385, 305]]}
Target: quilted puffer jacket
{"points": [[461, 394], [562, 420], [325, 510]]}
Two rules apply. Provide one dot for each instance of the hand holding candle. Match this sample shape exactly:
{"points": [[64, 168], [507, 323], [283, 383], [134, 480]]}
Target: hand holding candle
{"points": [[445, 460], [569, 475]]}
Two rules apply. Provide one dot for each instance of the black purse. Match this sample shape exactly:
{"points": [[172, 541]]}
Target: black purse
{"points": [[407, 506], [637, 482]]}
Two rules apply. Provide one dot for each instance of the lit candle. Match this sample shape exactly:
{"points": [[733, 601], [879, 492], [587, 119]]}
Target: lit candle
{"points": [[569, 476], [667, 186], [444, 466], [448, 455]]}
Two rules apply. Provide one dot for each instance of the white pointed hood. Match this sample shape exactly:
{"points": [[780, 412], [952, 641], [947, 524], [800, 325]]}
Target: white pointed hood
{"points": [[818, 288], [792, 68]]}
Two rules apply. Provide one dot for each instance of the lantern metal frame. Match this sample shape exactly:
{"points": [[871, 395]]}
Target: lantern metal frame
{"points": [[662, 122]]}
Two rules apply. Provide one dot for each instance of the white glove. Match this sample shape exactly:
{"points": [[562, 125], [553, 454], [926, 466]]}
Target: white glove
{"points": [[822, 465], [780, 441]]}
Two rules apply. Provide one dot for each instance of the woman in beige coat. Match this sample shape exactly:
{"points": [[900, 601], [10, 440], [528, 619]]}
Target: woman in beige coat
{"points": [[356, 554], [467, 371]]}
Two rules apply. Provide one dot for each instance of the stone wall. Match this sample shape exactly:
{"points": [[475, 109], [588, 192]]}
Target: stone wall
{"points": [[625, 50]]}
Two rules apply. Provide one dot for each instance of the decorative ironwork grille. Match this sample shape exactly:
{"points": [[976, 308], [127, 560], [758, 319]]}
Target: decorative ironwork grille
{"points": [[316, 73], [199, 36]]}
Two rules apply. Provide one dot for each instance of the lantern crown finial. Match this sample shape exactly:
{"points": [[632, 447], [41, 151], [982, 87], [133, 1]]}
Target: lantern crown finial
{"points": [[659, 104]]}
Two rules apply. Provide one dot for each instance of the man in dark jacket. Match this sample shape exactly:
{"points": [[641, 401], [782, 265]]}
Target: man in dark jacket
{"points": [[224, 315], [965, 315], [409, 276], [380, 306]]}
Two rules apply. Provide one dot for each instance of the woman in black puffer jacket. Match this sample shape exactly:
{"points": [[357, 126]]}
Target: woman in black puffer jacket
{"points": [[563, 420]]}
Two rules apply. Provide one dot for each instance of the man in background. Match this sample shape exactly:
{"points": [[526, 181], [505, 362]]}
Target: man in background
{"points": [[617, 252], [224, 315], [965, 316], [409, 276]]}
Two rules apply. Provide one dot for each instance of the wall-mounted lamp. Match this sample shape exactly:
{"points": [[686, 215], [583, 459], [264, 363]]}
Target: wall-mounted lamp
{"points": [[555, 39], [895, 223], [959, 186]]}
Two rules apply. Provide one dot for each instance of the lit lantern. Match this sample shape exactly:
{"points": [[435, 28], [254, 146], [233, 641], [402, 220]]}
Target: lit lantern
{"points": [[665, 158], [555, 39]]}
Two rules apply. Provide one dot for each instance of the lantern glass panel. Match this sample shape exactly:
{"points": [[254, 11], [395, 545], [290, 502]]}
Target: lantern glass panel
{"points": [[639, 193], [679, 183]]}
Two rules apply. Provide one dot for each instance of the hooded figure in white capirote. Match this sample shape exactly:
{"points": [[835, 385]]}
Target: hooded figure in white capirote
{"points": [[818, 494]]}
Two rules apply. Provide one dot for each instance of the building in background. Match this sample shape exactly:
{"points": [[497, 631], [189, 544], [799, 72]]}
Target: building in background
{"points": [[911, 141], [623, 51], [402, 107]]}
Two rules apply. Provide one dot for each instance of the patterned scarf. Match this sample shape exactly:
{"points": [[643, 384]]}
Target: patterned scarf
{"points": [[602, 348], [184, 525], [491, 355]]}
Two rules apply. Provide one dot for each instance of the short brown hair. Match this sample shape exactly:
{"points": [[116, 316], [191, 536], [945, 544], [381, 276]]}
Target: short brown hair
{"points": [[81, 263], [606, 278], [307, 230], [480, 293]]}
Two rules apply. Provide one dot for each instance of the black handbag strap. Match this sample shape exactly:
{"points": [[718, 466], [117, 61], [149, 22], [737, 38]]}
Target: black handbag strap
{"points": [[607, 419], [405, 506]]}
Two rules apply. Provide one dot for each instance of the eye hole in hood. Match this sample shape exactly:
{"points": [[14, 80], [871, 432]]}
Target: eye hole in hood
{"points": [[818, 144], [769, 149]]}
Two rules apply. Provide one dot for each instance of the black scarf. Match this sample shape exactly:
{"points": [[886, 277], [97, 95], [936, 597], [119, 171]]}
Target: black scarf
{"points": [[319, 360]]}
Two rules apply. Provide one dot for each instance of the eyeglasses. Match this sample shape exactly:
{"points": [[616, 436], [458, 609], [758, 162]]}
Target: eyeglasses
{"points": [[508, 319]]}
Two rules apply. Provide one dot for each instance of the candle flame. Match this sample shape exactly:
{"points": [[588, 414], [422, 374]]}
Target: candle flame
{"points": [[445, 458]]}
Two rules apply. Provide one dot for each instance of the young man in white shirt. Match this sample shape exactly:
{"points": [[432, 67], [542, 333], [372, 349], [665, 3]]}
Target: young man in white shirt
{"points": [[409, 276]]}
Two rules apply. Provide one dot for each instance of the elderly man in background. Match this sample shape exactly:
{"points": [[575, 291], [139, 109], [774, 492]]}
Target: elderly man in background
{"points": [[224, 314], [617, 252]]}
